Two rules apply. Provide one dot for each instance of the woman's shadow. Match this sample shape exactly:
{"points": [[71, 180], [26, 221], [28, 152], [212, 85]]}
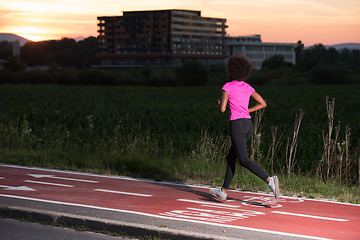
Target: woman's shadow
{"points": [[206, 196]]}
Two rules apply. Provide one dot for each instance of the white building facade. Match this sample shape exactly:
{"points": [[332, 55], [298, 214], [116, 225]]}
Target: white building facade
{"points": [[257, 51]]}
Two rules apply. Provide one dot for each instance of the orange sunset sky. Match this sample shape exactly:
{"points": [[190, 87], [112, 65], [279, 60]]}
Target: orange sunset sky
{"points": [[311, 21]]}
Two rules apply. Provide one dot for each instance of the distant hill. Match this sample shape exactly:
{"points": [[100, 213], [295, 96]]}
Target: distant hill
{"points": [[12, 37], [350, 46]]}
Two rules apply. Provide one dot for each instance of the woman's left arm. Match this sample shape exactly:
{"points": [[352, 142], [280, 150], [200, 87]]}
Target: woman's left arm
{"points": [[261, 102]]}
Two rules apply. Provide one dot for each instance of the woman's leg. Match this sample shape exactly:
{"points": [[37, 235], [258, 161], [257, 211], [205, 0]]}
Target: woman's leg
{"points": [[230, 169], [241, 131]]}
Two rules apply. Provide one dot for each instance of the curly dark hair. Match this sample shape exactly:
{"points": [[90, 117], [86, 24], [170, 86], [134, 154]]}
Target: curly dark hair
{"points": [[238, 68]]}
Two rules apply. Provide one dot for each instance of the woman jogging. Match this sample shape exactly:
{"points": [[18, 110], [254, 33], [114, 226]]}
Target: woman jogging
{"points": [[236, 94]]}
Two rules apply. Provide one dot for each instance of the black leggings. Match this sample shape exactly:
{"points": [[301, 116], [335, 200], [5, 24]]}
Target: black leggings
{"points": [[240, 132]]}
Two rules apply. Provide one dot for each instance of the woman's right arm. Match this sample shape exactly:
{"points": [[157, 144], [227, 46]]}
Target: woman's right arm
{"points": [[221, 105]]}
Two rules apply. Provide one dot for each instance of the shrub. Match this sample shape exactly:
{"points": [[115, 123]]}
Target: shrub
{"points": [[96, 77], [260, 77], [191, 73], [14, 64], [36, 76], [274, 62], [66, 76], [326, 74]]}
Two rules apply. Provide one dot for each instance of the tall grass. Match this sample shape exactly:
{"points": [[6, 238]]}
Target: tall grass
{"points": [[292, 146], [256, 153], [274, 146], [176, 133], [337, 162]]}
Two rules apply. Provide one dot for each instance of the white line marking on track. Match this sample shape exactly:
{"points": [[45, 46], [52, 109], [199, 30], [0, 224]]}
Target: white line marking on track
{"points": [[166, 183], [47, 183], [163, 217], [61, 178], [311, 216], [126, 193], [208, 203], [20, 188], [303, 199], [1, 177], [278, 212]]}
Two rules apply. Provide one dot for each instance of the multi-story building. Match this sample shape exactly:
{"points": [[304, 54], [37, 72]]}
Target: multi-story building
{"points": [[163, 37], [258, 51]]}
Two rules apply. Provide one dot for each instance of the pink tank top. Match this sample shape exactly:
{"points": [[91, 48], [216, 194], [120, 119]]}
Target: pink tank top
{"points": [[239, 96]]}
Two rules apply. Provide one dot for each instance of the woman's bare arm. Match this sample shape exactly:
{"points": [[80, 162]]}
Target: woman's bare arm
{"points": [[221, 105], [261, 102]]}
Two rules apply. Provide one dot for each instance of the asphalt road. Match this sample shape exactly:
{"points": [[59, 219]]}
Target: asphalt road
{"points": [[11, 229]]}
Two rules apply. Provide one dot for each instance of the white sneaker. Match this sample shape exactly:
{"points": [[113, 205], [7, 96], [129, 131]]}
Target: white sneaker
{"points": [[216, 192], [274, 186]]}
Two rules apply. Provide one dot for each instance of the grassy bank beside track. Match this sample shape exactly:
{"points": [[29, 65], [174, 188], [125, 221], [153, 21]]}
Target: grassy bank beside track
{"points": [[176, 134]]}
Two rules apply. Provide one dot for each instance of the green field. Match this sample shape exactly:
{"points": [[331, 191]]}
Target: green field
{"points": [[177, 134]]}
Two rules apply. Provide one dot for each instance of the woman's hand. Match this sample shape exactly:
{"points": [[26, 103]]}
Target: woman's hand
{"points": [[221, 105], [218, 104]]}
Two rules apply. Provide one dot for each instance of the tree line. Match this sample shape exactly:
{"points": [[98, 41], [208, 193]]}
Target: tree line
{"points": [[71, 60], [314, 65], [62, 53]]}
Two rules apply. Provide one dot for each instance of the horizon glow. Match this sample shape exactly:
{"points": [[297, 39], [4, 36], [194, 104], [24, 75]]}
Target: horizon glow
{"points": [[284, 21]]}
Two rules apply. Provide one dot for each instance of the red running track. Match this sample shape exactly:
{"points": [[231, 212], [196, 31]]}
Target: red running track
{"points": [[289, 216]]}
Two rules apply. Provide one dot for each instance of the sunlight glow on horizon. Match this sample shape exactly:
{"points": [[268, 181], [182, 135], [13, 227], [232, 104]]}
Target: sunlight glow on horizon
{"points": [[31, 33], [311, 21]]}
